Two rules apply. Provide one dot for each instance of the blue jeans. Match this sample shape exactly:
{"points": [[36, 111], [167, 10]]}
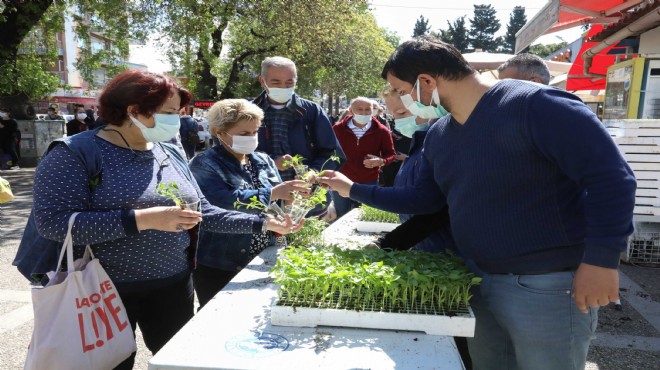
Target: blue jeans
{"points": [[344, 205], [529, 322]]}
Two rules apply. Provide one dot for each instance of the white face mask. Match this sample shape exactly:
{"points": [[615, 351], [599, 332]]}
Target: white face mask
{"points": [[4, 114], [242, 144], [280, 95], [362, 119], [81, 116], [166, 126]]}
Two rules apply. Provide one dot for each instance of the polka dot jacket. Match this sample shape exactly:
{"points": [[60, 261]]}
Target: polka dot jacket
{"points": [[107, 222]]}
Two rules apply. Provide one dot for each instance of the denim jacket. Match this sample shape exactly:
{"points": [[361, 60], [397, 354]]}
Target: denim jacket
{"points": [[222, 181]]}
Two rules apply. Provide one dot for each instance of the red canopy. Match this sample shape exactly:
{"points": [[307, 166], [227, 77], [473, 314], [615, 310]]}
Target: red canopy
{"points": [[576, 78], [559, 15]]}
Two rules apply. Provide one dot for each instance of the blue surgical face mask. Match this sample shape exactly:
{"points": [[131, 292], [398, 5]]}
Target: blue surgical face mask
{"points": [[407, 126], [421, 110], [166, 126]]}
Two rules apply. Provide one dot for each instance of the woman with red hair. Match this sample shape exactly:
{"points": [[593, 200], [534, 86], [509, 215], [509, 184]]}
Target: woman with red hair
{"points": [[138, 235]]}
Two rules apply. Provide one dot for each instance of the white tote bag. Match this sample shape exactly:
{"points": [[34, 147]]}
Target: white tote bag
{"points": [[79, 319]]}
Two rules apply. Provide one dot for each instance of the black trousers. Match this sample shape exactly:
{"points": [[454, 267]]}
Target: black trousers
{"points": [[209, 281], [10, 147], [160, 313]]}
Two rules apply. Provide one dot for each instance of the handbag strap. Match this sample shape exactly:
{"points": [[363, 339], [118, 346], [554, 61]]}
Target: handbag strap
{"points": [[68, 247]]}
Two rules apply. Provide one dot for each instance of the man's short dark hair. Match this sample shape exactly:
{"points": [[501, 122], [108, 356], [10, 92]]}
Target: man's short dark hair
{"points": [[528, 66], [426, 54]]}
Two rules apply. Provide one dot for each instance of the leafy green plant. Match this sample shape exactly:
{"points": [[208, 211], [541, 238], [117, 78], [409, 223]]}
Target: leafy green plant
{"points": [[170, 190], [373, 279], [371, 214], [254, 203], [296, 160], [334, 158], [308, 235]]}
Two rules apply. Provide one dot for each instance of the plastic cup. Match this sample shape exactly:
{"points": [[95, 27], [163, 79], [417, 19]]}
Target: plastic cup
{"points": [[192, 205]]}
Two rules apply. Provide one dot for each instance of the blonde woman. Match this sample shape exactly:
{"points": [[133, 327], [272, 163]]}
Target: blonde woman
{"points": [[227, 172]]}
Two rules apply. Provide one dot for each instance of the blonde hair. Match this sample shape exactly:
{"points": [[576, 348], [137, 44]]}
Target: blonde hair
{"points": [[225, 114]]}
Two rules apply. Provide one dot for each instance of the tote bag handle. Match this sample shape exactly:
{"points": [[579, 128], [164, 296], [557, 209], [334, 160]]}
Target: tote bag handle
{"points": [[68, 247]]}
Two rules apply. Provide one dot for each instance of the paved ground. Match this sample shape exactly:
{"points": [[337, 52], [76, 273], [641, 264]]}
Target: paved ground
{"points": [[627, 339]]}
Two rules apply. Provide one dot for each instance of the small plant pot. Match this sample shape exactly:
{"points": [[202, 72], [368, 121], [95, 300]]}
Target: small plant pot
{"points": [[192, 205], [300, 170], [298, 212]]}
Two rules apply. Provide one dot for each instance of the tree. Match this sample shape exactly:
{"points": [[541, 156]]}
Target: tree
{"points": [[456, 34], [545, 50], [27, 46], [483, 27], [517, 20], [422, 27]]}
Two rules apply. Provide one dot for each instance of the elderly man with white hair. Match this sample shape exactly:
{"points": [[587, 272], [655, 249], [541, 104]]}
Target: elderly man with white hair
{"points": [[293, 125], [368, 146]]}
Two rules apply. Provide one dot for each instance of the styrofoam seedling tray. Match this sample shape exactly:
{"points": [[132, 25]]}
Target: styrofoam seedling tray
{"points": [[375, 227], [460, 325]]}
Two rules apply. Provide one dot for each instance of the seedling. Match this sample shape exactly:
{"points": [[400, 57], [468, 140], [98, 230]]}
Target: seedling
{"points": [[255, 203], [170, 190], [395, 281], [296, 160], [370, 214], [311, 234]]}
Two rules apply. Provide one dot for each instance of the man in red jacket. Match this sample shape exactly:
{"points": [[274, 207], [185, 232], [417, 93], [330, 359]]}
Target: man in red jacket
{"points": [[368, 146]]}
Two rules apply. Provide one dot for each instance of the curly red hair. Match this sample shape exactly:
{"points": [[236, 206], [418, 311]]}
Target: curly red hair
{"points": [[147, 90]]}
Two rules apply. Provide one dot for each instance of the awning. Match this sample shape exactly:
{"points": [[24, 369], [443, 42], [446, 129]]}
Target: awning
{"points": [[481, 60], [577, 80], [559, 15]]}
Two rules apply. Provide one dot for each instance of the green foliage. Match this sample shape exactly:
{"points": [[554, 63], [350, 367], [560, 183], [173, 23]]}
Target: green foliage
{"points": [[170, 190], [310, 234], [255, 203], [545, 50], [371, 214], [483, 27], [456, 34], [296, 160], [422, 27], [27, 47], [517, 20], [31, 49], [332, 277]]}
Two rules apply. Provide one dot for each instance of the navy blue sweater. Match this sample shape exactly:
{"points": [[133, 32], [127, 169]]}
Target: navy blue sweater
{"points": [[532, 179]]}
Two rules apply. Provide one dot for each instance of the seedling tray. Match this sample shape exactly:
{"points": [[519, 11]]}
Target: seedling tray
{"points": [[375, 227], [459, 322]]}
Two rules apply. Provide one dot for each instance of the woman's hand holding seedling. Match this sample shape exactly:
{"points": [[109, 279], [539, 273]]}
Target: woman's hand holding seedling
{"points": [[172, 219], [286, 189], [283, 226], [337, 182]]}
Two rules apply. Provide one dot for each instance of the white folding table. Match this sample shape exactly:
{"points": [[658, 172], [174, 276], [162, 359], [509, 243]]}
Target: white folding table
{"points": [[233, 331]]}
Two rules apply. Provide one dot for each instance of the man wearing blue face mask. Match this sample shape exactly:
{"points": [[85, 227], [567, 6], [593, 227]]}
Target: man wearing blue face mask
{"points": [[293, 125], [539, 196]]}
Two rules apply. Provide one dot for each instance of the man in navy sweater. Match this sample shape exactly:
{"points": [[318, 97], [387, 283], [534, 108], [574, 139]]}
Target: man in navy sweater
{"points": [[538, 194]]}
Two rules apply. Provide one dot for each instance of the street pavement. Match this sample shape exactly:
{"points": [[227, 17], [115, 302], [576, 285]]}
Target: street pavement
{"points": [[627, 339]]}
